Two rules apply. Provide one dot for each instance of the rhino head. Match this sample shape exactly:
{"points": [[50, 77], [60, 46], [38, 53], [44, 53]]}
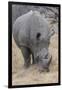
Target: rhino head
{"points": [[42, 56]]}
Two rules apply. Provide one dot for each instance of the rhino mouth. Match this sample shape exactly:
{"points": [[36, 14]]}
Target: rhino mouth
{"points": [[44, 63], [43, 59]]}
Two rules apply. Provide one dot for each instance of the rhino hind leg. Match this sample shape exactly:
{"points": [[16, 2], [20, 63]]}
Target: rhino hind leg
{"points": [[26, 54]]}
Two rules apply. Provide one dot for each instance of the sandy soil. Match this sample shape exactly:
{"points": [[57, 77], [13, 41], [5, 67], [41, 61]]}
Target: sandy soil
{"points": [[22, 76]]}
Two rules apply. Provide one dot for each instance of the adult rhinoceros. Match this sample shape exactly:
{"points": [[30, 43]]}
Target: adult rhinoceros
{"points": [[32, 35]]}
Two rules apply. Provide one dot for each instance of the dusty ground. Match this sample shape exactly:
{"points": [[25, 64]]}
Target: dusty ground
{"points": [[21, 76]]}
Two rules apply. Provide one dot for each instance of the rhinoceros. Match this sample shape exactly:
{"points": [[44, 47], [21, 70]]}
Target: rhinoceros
{"points": [[32, 35]]}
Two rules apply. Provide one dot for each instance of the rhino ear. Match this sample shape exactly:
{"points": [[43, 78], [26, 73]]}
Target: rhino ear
{"points": [[52, 32], [38, 36]]}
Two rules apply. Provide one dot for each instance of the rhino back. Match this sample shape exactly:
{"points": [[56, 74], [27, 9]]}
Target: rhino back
{"points": [[38, 25], [21, 29], [26, 28]]}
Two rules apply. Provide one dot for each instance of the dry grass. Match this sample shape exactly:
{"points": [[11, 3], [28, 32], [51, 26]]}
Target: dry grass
{"points": [[21, 76]]}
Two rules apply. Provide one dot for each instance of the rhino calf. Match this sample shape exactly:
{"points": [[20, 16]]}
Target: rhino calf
{"points": [[32, 35]]}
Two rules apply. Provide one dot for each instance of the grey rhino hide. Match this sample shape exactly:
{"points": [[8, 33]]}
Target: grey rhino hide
{"points": [[31, 30]]}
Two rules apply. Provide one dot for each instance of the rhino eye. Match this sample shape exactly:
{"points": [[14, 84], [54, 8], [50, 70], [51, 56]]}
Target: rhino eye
{"points": [[38, 35]]}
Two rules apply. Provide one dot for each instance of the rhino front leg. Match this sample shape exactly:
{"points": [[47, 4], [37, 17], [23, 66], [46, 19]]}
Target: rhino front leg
{"points": [[26, 55]]}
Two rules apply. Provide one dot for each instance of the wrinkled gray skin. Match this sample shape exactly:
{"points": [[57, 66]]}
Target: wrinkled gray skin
{"points": [[32, 35]]}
